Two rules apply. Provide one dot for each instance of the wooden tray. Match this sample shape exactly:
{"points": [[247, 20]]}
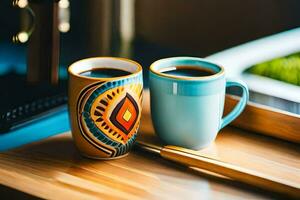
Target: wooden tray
{"points": [[266, 120]]}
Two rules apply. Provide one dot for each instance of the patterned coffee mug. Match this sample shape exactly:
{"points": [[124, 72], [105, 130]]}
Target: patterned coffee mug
{"points": [[105, 111]]}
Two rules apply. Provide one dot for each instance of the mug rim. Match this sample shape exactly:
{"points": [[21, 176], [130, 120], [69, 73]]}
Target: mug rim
{"points": [[72, 67], [186, 78]]}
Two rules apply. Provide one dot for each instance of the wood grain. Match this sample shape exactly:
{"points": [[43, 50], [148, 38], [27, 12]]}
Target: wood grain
{"points": [[266, 120], [53, 169], [249, 158], [244, 175], [196, 161]]}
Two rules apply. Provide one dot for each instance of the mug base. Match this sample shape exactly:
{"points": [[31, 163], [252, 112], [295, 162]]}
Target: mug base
{"points": [[200, 147], [101, 158], [194, 147]]}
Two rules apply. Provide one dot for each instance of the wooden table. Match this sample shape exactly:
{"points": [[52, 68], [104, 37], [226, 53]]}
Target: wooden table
{"points": [[54, 169]]}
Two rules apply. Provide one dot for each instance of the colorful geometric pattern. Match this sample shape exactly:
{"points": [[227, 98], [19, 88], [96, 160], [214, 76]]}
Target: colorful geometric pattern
{"points": [[124, 115], [109, 114]]}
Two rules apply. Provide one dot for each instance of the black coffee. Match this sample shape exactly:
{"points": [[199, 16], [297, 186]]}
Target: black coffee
{"points": [[189, 71], [105, 73]]}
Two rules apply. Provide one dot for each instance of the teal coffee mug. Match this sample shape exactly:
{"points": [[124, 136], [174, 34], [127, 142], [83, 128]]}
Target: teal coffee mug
{"points": [[187, 100]]}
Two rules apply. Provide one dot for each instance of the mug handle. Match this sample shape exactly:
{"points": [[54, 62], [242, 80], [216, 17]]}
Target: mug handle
{"points": [[241, 104]]}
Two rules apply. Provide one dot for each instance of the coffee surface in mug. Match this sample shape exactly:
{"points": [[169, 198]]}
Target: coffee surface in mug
{"points": [[105, 73], [189, 71]]}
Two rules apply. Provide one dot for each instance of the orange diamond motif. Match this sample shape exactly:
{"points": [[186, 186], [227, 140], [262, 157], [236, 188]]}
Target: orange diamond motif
{"points": [[125, 114]]}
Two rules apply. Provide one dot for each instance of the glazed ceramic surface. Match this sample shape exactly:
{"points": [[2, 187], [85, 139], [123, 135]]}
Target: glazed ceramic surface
{"points": [[105, 112], [187, 111]]}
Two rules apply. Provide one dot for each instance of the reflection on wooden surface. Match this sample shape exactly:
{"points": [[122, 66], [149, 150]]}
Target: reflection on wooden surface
{"points": [[54, 169], [252, 159], [266, 157], [252, 151]]}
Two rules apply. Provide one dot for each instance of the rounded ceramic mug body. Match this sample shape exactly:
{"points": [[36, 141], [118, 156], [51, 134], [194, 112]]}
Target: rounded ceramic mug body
{"points": [[105, 112], [187, 111]]}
